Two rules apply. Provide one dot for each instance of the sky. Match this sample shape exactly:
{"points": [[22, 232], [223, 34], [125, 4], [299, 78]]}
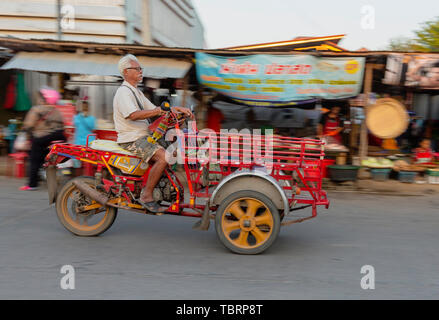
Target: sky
{"points": [[366, 23]]}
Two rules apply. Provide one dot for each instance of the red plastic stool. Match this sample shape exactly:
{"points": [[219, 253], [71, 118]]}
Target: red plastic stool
{"points": [[20, 161]]}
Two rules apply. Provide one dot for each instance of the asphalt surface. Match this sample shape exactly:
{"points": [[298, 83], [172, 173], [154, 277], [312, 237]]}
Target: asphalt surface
{"points": [[161, 257]]}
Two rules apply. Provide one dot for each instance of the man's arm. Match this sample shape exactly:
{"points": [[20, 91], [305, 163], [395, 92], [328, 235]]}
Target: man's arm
{"points": [[145, 114], [127, 105]]}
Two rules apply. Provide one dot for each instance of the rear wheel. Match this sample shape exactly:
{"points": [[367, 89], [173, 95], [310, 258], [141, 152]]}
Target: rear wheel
{"points": [[81, 215], [247, 222]]}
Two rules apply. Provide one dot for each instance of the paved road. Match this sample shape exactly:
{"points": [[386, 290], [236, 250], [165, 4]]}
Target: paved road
{"points": [[149, 257]]}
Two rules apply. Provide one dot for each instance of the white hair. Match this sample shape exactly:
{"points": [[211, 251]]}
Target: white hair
{"points": [[124, 62]]}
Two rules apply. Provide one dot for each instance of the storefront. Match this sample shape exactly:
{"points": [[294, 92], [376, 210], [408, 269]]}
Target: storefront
{"points": [[260, 90], [289, 93], [88, 71], [85, 73], [399, 134], [284, 91]]}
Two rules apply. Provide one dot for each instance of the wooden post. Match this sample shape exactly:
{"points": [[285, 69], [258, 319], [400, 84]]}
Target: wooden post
{"points": [[363, 131], [185, 87], [201, 109]]}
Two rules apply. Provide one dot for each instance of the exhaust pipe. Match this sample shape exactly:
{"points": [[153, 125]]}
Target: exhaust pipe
{"points": [[90, 192]]}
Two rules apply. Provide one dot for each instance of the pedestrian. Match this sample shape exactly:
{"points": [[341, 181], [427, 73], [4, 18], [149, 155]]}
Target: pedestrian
{"points": [[11, 134], [330, 125], [43, 124], [84, 124]]}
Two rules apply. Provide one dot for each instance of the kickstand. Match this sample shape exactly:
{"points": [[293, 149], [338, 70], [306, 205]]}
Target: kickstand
{"points": [[204, 223]]}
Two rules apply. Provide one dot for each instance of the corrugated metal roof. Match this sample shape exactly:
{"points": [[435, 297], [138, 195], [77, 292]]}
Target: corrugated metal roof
{"points": [[94, 64], [50, 45]]}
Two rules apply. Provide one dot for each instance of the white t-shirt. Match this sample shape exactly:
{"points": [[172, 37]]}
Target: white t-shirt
{"points": [[124, 103]]}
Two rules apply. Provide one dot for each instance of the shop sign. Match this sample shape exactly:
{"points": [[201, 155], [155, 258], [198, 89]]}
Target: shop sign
{"points": [[271, 80]]}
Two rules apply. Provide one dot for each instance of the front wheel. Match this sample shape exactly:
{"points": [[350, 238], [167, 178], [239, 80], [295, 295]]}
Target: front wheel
{"points": [[247, 222], [81, 215]]}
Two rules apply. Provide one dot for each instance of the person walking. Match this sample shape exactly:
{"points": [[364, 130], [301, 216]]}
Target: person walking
{"points": [[43, 124]]}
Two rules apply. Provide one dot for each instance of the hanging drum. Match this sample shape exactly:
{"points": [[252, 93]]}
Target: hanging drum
{"points": [[387, 118]]}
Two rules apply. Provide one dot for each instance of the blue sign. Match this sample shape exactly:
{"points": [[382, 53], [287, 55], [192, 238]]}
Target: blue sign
{"points": [[273, 80]]}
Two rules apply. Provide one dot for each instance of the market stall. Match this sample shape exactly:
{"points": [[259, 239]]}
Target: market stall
{"points": [[86, 70], [274, 83], [397, 140]]}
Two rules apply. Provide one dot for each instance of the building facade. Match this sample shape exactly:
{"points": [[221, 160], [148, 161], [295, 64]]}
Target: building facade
{"points": [[171, 23]]}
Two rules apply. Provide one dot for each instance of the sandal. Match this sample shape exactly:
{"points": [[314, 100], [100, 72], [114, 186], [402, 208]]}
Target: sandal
{"points": [[152, 206]]}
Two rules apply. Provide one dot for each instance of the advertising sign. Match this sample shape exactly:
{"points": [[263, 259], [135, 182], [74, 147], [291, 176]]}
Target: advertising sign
{"points": [[271, 80]]}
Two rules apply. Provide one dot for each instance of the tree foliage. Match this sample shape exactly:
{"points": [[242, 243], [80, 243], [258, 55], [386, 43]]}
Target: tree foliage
{"points": [[401, 44], [426, 39]]}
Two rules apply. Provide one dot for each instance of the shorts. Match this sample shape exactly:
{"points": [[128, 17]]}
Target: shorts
{"points": [[142, 148]]}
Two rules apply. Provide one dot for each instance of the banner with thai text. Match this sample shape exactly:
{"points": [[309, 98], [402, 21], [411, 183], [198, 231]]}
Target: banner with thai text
{"points": [[272, 80]]}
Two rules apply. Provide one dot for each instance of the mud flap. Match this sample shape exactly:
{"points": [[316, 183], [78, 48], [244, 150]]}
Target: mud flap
{"points": [[52, 184], [204, 223]]}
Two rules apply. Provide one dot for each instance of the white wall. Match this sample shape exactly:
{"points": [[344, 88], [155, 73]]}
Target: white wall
{"points": [[174, 23], [94, 20], [171, 23]]}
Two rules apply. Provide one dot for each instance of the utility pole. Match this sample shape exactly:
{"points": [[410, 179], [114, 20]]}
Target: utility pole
{"points": [[58, 19]]}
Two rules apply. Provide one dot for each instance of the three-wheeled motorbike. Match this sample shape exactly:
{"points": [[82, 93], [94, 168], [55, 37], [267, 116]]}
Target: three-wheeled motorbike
{"points": [[250, 184]]}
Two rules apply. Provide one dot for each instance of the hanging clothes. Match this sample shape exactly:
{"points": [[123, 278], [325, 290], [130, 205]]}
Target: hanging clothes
{"points": [[10, 95], [23, 102]]}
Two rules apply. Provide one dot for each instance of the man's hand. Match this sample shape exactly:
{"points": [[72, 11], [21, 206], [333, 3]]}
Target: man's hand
{"points": [[185, 111], [159, 111]]}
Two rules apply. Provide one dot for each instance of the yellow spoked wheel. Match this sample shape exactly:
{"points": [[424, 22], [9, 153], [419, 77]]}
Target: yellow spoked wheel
{"points": [[247, 222], [81, 215]]}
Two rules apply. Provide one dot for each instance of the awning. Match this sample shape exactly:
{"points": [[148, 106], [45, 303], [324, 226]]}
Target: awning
{"points": [[94, 64]]}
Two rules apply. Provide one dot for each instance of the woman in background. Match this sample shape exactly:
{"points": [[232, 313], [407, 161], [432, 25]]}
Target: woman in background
{"points": [[44, 124]]}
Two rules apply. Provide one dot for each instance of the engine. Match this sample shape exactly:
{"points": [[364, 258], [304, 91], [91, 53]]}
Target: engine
{"points": [[165, 191]]}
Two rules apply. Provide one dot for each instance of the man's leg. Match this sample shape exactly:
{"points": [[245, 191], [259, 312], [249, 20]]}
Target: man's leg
{"points": [[157, 169], [35, 162]]}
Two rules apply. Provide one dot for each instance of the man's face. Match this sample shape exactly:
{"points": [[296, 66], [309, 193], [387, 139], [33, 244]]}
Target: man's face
{"points": [[134, 73]]}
